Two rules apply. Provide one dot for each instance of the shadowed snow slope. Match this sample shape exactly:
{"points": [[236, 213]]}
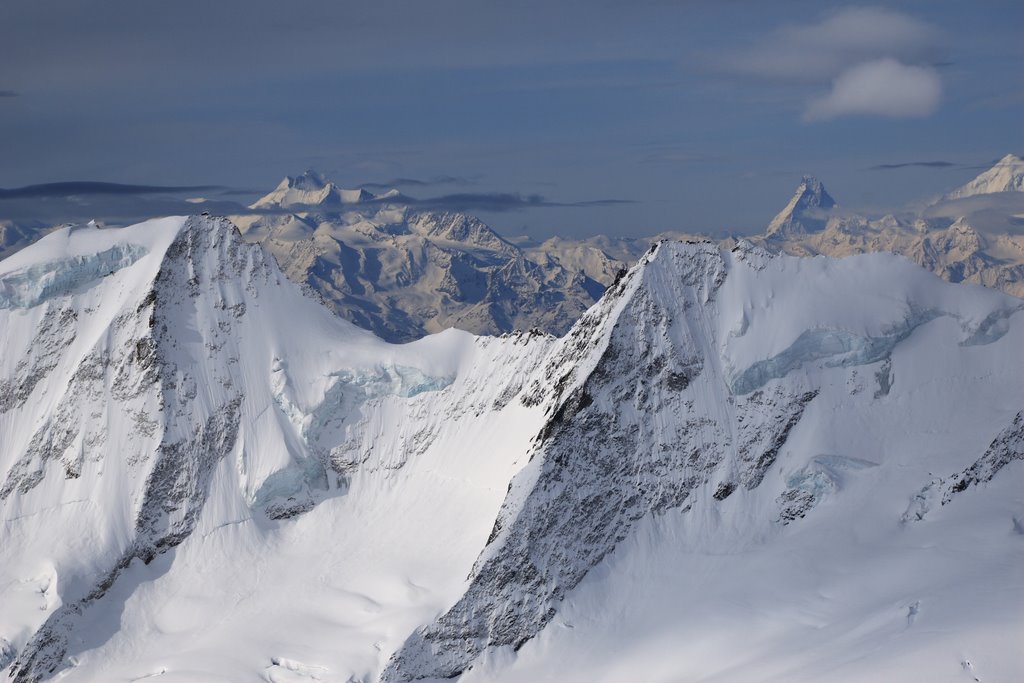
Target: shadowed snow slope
{"points": [[736, 466]]}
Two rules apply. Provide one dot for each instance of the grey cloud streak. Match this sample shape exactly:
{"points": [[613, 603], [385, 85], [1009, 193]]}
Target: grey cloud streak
{"points": [[75, 188], [417, 182], [906, 164]]}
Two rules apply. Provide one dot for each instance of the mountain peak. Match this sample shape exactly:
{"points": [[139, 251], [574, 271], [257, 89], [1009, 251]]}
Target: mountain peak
{"points": [[1007, 175], [811, 193], [309, 180], [311, 189], [806, 211]]}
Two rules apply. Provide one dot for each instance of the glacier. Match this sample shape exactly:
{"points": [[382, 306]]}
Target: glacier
{"points": [[34, 285]]}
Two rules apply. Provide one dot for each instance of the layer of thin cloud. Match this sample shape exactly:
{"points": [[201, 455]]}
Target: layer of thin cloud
{"points": [[417, 182], [883, 87], [78, 202]]}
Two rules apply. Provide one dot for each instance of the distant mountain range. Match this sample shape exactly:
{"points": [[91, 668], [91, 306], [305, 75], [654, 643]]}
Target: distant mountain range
{"points": [[403, 273], [973, 234]]}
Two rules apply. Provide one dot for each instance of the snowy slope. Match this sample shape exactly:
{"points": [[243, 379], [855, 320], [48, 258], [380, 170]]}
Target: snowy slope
{"points": [[724, 399], [171, 384], [736, 466], [1007, 175], [18, 235]]}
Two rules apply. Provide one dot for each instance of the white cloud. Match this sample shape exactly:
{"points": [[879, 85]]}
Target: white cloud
{"points": [[877, 61], [883, 87], [820, 51]]}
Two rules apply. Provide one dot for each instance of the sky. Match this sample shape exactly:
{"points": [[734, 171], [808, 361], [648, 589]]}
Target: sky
{"points": [[543, 117]]}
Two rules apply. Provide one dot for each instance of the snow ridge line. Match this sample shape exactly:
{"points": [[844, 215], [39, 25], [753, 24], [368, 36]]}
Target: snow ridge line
{"points": [[178, 484]]}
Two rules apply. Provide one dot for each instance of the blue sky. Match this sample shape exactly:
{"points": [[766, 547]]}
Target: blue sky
{"points": [[703, 114]]}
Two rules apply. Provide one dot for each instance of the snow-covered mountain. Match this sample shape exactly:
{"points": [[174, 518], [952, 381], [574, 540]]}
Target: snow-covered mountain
{"points": [[736, 466], [966, 238], [309, 190], [1007, 175], [404, 273]]}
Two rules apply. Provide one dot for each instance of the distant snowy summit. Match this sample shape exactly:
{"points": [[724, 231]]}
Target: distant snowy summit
{"points": [[960, 241], [312, 190], [806, 212], [1006, 176]]}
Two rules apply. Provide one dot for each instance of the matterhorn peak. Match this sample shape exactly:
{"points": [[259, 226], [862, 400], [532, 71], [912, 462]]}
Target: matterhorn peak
{"points": [[1007, 175], [806, 211], [811, 193]]}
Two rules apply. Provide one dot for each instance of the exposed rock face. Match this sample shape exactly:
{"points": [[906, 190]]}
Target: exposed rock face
{"points": [[1006, 447], [630, 432]]}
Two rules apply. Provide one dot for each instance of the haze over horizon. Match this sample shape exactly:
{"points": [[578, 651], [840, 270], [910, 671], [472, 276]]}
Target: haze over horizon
{"points": [[618, 118]]}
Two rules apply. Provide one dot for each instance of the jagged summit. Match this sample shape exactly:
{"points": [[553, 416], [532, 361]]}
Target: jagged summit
{"points": [[806, 211], [1007, 175], [313, 189]]}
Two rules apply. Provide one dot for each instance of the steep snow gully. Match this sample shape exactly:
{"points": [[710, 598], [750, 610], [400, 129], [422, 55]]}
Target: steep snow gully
{"points": [[205, 475]]}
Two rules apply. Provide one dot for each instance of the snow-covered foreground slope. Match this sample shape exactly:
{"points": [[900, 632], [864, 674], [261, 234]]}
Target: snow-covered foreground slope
{"points": [[736, 466]]}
